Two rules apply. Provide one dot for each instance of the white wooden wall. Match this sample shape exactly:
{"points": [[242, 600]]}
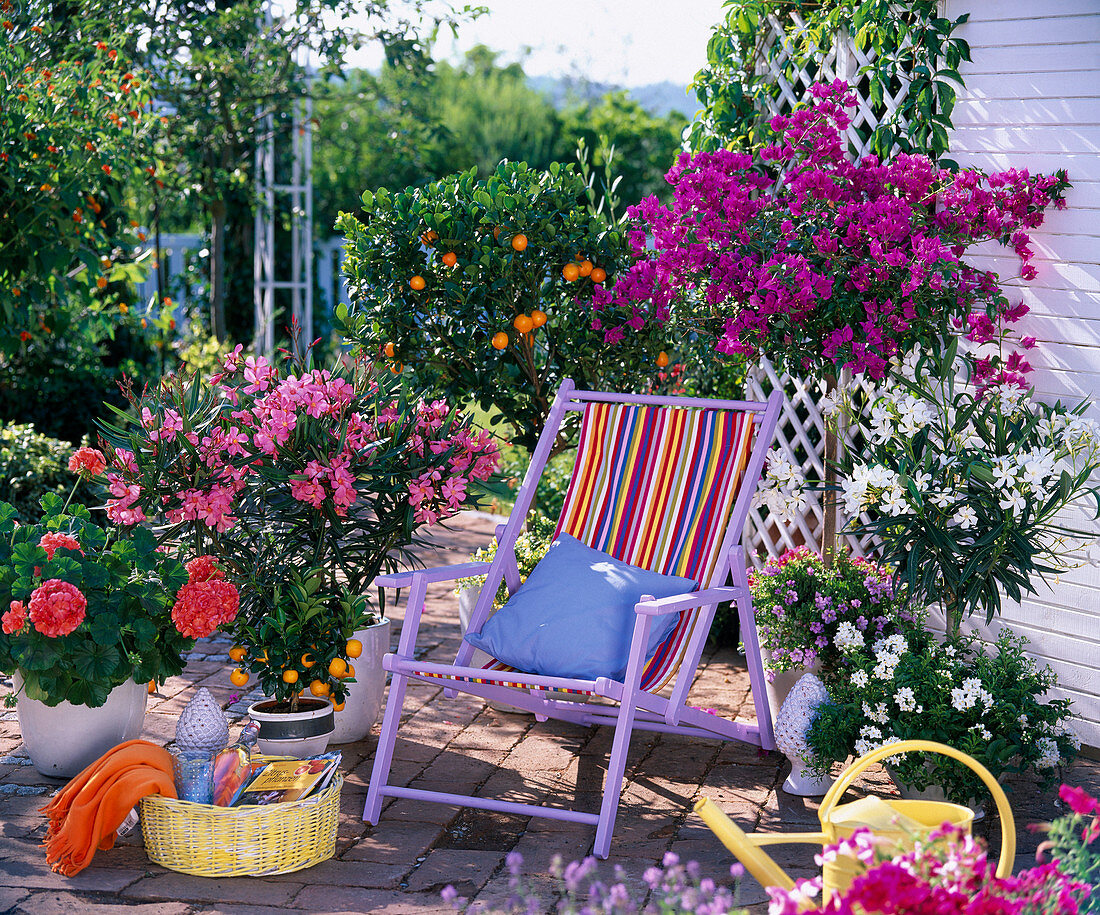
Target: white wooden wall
{"points": [[1032, 100]]}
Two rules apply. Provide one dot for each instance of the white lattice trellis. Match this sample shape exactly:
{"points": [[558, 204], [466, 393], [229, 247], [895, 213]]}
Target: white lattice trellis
{"points": [[801, 431], [779, 63]]}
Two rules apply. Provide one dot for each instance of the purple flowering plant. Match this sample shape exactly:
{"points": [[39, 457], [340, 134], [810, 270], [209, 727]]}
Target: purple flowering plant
{"points": [[672, 889], [816, 261], [949, 874], [804, 609]]}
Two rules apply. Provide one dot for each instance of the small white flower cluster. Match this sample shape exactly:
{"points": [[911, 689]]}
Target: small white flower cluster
{"points": [[848, 637], [906, 701], [888, 652], [1049, 754], [870, 484], [781, 488], [879, 714], [982, 731], [970, 694], [870, 738], [897, 412]]}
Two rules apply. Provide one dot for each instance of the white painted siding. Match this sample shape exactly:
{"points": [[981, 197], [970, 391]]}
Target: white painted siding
{"points": [[1032, 100]]}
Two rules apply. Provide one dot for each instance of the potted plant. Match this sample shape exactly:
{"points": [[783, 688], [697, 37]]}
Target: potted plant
{"points": [[982, 700], [306, 483], [1071, 842], [91, 616]]}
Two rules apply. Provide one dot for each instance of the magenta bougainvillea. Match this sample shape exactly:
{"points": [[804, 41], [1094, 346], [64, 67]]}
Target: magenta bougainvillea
{"points": [[833, 263]]}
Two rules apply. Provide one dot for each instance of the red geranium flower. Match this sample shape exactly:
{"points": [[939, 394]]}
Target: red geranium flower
{"points": [[54, 540], [57, 608], [203, 568], [88, 461], [15, 619], [202, 606]]}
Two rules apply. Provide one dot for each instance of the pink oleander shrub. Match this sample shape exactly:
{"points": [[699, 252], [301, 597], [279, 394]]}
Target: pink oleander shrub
{"points": [[304, 483], [949, 874], [818, 262]]}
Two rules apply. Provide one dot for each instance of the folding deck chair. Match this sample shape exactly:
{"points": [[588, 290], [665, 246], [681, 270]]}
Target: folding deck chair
{"points": [[662, 483]]}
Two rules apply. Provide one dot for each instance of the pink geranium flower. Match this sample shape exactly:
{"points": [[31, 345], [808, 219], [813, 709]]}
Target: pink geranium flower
{"points": [[87, 462], [57, 608], [15, 618], [55, 540]]}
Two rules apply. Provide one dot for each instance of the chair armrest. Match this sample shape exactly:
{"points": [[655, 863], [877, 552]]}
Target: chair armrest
{"points": [[432, 575], [665, 605]]}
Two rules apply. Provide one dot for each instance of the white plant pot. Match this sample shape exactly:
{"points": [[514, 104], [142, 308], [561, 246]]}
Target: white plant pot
{"points": [[64, 739], [364, 698], [783, 683], [299, 734], [804, 784], [467, 600], [930, 793]]}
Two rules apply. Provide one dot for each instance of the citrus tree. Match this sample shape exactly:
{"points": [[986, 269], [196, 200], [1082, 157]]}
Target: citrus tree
{"points": [[496, 290]]}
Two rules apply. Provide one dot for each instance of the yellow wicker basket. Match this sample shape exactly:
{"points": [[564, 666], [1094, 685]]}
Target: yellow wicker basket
{"points": [[252, 840]]}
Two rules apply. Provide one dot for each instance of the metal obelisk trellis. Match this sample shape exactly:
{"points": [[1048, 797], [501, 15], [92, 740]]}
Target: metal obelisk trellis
{"points": [[801, 430], [272, 178]]}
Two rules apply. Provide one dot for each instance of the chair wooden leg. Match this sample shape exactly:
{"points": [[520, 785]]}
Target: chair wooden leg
{"points": [[383, 754], [613, 785]]}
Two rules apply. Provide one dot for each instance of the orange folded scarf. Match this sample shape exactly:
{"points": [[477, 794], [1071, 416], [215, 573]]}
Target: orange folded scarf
{"points": [[85, 815]]}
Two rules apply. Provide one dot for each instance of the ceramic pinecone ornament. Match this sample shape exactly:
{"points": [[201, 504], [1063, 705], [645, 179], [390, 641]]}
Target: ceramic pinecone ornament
{"points": [[791, 726], [202, 724]]}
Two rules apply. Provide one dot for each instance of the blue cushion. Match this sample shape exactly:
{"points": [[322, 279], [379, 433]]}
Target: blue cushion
{"points": [[574, 615]]}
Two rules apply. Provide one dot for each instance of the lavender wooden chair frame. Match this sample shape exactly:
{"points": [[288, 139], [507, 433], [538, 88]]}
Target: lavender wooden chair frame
{"points": [[637, 708]]}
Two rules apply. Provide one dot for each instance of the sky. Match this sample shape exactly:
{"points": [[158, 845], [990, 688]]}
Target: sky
{"points": [[625, 42]]}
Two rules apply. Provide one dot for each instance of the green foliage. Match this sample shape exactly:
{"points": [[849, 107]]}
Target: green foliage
{"points": [[965, 488], [982, 702], [444, 332], [910, 41], [75, 133], [645, 146], [127, 631], [531, 546], [32, 465]]}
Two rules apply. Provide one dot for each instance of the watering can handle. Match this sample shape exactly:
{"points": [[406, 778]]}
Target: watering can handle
{"points": [[1008, 824]]}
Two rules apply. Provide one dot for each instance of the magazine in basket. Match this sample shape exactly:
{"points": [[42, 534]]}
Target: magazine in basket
{"points": [[288, 780]]}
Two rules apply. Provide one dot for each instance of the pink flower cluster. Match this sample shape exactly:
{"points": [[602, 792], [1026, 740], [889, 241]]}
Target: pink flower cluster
{"points": [[87, 462], [836, 263], [206, 601], [57, 608], [948, 875], [15, 618], [257, 441], [55, 540]]}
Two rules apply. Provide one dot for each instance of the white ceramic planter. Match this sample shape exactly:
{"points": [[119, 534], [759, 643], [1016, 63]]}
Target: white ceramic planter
{"points": [[64, 739], [783, 683], [364, 699], [300, 734]]}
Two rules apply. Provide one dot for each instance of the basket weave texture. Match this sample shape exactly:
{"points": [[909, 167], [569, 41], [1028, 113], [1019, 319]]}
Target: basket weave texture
{"points": [[253, 840]]}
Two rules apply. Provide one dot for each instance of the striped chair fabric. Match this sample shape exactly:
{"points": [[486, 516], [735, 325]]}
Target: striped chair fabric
{"points": [[653, 486]]}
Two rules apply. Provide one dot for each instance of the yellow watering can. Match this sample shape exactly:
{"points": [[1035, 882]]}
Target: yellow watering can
{"points": [[899, 820]]}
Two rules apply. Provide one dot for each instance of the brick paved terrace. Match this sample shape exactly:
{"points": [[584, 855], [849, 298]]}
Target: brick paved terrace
{"points": [[401, 864]]}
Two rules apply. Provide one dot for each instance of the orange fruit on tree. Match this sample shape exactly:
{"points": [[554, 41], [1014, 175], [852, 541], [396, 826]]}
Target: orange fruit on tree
{"points": [[318, 688], [450, 258], [152, 686], [337, 706], [236, 653], [585, 268], [238, 677], [428, 237], [388, 350], [349, 673], [519, 242], [500, 340], [396, 368], [662, 359], [496, 232], [570, 272], [598, 274], [337, 667], [538, 318], [290, 676], [523, 324], [101, 282], [354, 648], [417, 282], [307, 660]]}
